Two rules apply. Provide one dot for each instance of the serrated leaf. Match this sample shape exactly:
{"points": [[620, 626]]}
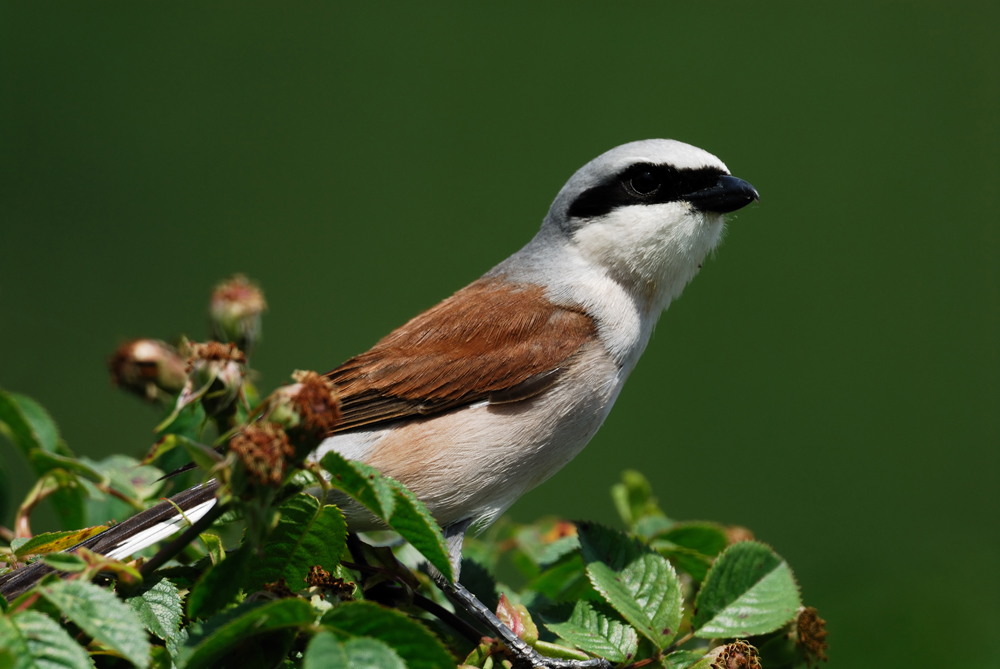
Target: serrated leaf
{"points": [[219, 585], [749, 590], [414, 642], [14, 653], [414, 523], [308, 534], [685, 659], [208, 642], [49, 645], [639, 583], [707, 538], [52, 542], [70, 562], [159, 607], [373, 654], [596, 628], [27, 424], [362, 483], [101, 615], [325, 652]]}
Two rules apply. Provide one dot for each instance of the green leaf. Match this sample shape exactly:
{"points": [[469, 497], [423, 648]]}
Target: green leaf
{"points": [[362, 483], [414, 522], [373, 654], [65, 562], [308, 534], [325, 652], [414, 642], [208, 642], [14, 653], [633, 498], [639, 583], [596, 628], [159, 607], [750, 590], [685, 559], [27, 425], [205, 457], [101, 615], [49, 645], [219, 585], [51, 542], [565, 581], [683, 659], [707, 538]]}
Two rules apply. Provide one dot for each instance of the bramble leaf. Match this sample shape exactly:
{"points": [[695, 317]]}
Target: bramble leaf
{"points": [[414, 523], [411, 640], [101, 615], [596, 628], [208, 642], [159, 607], [70, 562], [307, 534], [362, 483], [52, 542], [639, 583], [219, 585], [49, 646], [749, 590], [325, 652]]}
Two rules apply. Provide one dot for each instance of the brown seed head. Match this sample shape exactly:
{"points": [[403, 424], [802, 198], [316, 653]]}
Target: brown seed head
{"points": [[321, 578], [316, 401], [143, 366], [812, 634], [737, 655], [280, 589], [264, 450], [216, 352]]}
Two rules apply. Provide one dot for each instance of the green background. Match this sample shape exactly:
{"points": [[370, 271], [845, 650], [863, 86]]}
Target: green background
{"points": [[830, 380]]}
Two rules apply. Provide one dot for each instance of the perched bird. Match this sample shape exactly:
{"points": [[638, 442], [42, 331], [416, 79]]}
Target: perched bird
{"points": [[484, 396]]}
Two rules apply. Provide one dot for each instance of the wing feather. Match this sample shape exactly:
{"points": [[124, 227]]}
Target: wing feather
{"points": [[492, 338]]}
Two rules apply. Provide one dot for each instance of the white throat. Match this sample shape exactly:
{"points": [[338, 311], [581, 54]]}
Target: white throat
{"points": [[653, 250]]}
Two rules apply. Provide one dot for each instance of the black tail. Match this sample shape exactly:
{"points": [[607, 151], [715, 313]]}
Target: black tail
{"points": [[141, 530]]}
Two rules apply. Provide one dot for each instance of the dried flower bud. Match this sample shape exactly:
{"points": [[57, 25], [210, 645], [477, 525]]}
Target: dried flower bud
{"points": [[307, 409], [811, 631], [235, 312], [736, 534], [736, 655], [215, 376], [264, 450], [148, 368]]}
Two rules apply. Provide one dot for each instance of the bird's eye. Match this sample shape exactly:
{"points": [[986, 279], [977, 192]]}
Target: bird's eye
{"points": [[644, 183]]}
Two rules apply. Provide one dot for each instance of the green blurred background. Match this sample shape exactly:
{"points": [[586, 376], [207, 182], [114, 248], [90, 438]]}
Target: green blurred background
{"points": [[830, 380]]}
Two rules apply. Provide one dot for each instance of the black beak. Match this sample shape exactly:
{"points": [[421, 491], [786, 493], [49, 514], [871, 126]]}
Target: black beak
{"points": [[728, 194]]}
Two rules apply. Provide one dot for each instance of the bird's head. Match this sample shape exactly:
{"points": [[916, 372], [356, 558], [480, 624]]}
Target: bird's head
{"points": [[648, 212]]}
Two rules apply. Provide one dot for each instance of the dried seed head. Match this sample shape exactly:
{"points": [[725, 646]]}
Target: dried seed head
{"points": [[811, 631], [148, 368], [235, 312], [264, 450], [736, 655], [308, 409], [279, 589], [321, 578], [215, 376]]}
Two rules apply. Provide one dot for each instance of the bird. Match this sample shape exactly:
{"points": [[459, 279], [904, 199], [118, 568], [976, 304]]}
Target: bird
{"points": [[489, 393]]}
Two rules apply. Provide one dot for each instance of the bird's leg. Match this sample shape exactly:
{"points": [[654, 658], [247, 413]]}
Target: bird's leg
{"points": [[524, 655]]}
